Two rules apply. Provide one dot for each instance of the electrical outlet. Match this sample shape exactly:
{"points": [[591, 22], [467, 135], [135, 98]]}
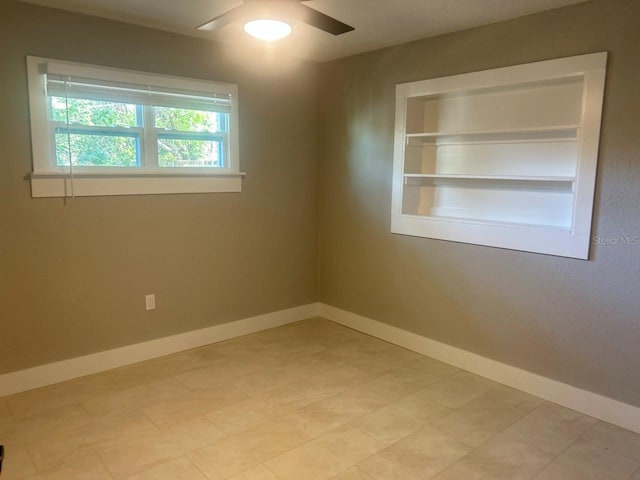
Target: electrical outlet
{"points": [[150, 301]]}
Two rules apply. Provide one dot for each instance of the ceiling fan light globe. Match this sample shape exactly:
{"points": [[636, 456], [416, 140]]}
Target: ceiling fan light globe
{"points": [[268, 30]]}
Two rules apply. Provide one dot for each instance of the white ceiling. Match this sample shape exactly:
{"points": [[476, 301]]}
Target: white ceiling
{"points": [[378, 23]]}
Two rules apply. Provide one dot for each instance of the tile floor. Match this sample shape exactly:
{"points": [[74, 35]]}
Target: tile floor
{"points": [[308, 401]]}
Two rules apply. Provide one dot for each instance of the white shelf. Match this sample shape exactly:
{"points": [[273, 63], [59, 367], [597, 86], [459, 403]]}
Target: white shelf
{"points": [[479, 221], [520, 178], [504, 157], [562, 133]]}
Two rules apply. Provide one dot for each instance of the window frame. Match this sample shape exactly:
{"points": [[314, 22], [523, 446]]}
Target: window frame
{"points": [[51, 180]]}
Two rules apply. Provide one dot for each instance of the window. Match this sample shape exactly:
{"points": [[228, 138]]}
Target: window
{"points": [[103, 131]]}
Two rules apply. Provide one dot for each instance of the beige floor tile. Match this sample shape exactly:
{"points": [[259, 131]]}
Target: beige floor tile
{"points": [[194, 434], [256, 473], [100, 434], [587, 461], [337, 410], [399, 383], [284, 400], [5, 413], [456, 390], [339, 354], [371, 410], [355, 350], [59, 395], [135, 397], [401, 418], [352, 474], [241, 417], [223, 371], [479, 420], [550, 427], [17, 464], [149, 450], [254, 411], [88, 468], [330, 334], [615, 439], [250, 346], [179, 469], [501, 458], [387, 360], [270, 379], [165, 413], [326, 456], [332, 381], [42, 425], [238, 453], [365, 344], [419, 456], [477, 380], [371, 360], [163, 367], [435, 367], [504, 395]]}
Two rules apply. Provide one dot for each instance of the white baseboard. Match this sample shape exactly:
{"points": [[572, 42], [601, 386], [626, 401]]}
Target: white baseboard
{"points": [[589, 403], [48, 374]]}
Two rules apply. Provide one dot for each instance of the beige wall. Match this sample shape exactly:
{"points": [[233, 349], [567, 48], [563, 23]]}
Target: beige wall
{"points": [[571, 320], [73, 276]]}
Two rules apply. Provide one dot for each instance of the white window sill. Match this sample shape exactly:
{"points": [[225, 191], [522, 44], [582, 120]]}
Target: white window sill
{"points": [[56, 184]]}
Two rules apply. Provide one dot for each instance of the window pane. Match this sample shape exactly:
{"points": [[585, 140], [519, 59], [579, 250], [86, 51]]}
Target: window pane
{"points": [[190, 120], [189, 153], [97, 150], [94, 112]]}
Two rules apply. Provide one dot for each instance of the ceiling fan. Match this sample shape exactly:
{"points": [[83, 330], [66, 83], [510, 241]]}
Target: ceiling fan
{"points": [[278, 10]]}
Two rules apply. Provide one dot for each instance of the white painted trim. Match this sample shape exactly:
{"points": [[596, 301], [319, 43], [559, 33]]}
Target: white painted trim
{"points": [[508, 216], [43, 186], [51, 373], [49, 180], [604, 408]]}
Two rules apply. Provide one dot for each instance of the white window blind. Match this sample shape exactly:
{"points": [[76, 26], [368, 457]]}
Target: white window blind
{"points": [[86, 88]]}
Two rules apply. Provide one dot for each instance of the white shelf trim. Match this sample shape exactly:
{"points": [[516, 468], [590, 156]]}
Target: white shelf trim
{"points": [[461, 123], [521, 178], [484, 222], [508, 131]]}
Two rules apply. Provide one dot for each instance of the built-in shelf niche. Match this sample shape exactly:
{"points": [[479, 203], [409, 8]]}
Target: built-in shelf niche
{"points": [[503, 155]]}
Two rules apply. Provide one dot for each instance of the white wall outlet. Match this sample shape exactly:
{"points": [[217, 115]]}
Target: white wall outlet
{"points": [[150, 301]]}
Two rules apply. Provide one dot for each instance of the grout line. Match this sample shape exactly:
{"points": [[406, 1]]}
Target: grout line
{"points": [[269, 470], [105, 466], [30, 456], [194, 465]]}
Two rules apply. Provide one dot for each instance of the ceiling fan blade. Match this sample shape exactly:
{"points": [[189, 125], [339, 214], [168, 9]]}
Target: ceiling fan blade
{"points": [[320, 20], [225, 19]]}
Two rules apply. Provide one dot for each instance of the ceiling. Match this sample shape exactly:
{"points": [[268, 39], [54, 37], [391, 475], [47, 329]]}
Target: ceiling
{"points": [[378, 23]]}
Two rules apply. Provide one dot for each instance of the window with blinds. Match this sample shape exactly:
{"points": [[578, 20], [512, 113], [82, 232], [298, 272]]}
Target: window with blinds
{"points": [[89, 121]]}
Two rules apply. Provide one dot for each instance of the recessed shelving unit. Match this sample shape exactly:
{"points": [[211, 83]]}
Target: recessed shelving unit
{"points": [[504, 157]]}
